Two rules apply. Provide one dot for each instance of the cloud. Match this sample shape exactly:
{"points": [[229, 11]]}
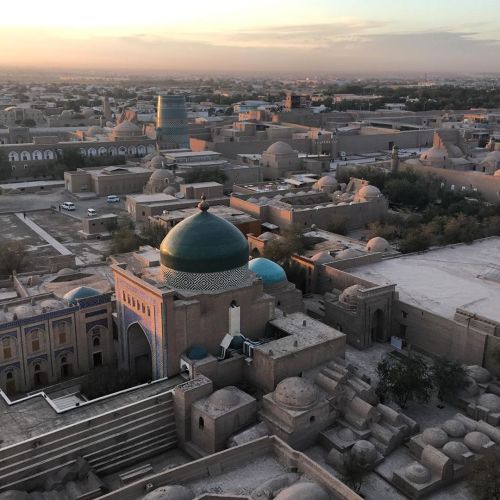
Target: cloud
{"points": [[346, 46]]}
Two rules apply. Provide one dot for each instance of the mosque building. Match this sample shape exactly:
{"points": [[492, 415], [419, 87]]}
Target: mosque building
{"points": [[197, 299]]}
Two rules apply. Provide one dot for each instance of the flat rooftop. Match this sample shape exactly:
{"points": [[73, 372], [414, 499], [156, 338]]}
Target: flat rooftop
{"points": [[314, 332], [444, 279], [228, 213]]}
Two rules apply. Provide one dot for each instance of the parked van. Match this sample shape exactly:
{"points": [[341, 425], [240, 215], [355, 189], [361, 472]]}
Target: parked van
{"points": [[68, 205], [91, 212]]}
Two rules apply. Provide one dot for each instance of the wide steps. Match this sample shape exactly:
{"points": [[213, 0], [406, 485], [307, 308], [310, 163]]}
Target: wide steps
{"points": [[94, 458], [89, 439], [100, 422], [150, 451], [92, 431], [93, 442]]}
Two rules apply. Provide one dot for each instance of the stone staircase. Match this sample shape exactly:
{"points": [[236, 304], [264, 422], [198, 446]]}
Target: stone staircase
{"points": [[107, 442]]}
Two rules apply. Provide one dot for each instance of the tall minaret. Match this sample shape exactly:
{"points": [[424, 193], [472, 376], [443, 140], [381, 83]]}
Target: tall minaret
{"points": [[395, 159], [107, 110]]}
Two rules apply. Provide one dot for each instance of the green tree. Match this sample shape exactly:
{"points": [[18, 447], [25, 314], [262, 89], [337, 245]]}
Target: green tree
{"points": [[28, 122], [124, 240], [484, 481], [406, 378], [153, 233], [448, 377], [291, 242], [14, 257], [415, 240], [338, 225], [354, 475]]}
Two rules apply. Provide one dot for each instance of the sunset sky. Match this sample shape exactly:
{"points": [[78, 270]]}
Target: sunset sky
{"points": [[300, 36]]}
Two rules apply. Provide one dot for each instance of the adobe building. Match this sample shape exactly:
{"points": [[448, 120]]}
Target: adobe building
{"points": [[358, 204], [198, 306]]}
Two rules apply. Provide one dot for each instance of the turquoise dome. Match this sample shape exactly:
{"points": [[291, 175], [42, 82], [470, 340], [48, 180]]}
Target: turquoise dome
{"points": [[237, 342], [270, 272], [204, 243], [81, 292], [196, 352]]}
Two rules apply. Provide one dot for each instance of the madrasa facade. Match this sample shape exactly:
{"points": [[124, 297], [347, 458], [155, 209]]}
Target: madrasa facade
{"points": [[196, 300]]}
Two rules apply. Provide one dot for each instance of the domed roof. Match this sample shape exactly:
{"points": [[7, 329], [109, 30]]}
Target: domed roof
{"points": [[157, 161], [279, 148], [65, 271], [267, 236], [81, 292], [127, 128], [471, 388], [204, 243], [346, 434], [454, 428], [476, 440], [303, 491], [349, 296], [322, 257], [23, 311], [417, 473], [296, 393], [348, 253], [162, 175], [368, 192], [492, 159], [497, 173], [435, 437], [364, 453], [224, 399], [50, 304], [171, 492], [267, 270], [455, 450], [434, 153], [196, 352], [377, 244], [327, 180], [489, 401], [478, 373]]}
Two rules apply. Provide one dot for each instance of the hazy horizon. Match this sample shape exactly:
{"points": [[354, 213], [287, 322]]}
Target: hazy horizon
{"points": [[322, 36]]}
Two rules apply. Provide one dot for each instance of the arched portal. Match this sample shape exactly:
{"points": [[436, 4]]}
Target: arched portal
{"points": [[378, 326], [140, 357]]}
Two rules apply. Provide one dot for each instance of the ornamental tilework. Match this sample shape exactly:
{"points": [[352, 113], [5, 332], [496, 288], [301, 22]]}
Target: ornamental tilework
{"points": [[206, 281]]}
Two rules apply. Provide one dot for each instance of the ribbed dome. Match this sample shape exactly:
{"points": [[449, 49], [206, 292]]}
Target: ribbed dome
{"points": [[267, 270], [204, 243], [82, 292], [296, 393]]}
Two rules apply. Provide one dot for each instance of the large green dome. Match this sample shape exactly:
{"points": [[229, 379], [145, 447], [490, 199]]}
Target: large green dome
{"points": [[204, 243]]}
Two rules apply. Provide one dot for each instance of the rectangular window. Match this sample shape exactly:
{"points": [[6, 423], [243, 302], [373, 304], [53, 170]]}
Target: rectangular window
{"points": [[62, 338], [143, 308], [7, 353], [35, 345], [149, 311], [404, 313]]}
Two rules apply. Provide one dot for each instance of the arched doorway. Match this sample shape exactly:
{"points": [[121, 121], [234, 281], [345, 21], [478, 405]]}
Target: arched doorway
{"points": [[139, 353], [378, 326], [39, 376], [10, 385]]}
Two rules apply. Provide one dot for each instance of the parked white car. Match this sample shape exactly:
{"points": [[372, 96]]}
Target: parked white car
{"points": [[68, 205], [112, 198], [91, 212]]}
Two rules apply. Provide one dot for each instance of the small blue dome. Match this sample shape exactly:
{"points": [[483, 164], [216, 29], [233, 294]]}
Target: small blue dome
{"points": [[196, 352], [267, 270], [81, 292], [237, 342]]}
